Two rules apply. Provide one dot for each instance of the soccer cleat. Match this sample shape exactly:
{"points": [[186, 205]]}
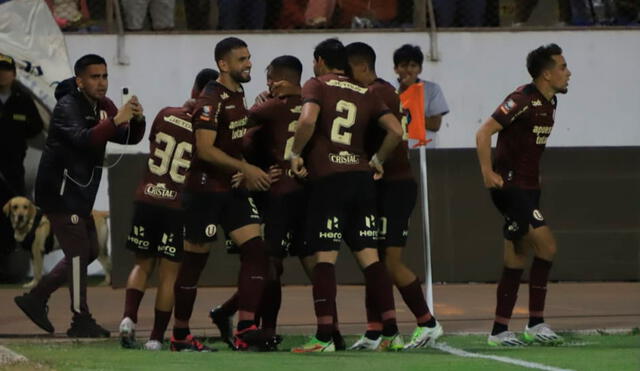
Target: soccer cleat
{"points": [[128, 333], [189, 344], [505, 339], [338, 341], [315, 346], [252, 338], [272, 343], [153, 345], [364, 343], [84, 326], [391, 343], [224, 324], [424, 336], [542, 334], [36, 309]]}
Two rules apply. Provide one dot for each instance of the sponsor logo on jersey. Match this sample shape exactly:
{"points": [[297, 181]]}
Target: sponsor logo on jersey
{"points": [[344, 158], [238, 129], [536, 103], [507, 106], [347, 85], [160, 191], [542, 133], [179, 122]]}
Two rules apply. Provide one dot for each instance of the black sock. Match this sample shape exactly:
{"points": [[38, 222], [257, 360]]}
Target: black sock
{"points": [[430, 323], [535, 321], [498, 328], [372, 335], [245, 324], [324, 332], [390, 329], [180, 333]]}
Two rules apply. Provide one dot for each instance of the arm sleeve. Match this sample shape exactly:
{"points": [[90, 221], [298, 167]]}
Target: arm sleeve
{"points": [[312, 91], [434, 102], [34, 121], [69, 122], [513, 107]]}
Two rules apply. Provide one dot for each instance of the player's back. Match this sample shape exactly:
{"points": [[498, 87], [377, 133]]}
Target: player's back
{"points": [[346, 110], [170, 154]]}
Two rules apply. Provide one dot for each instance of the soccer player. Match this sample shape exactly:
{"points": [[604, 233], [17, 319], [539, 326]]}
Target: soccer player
{"points": [[342, 205], [524, 122], [396, 196], [156, 235], [284, 207], [220, 123]]}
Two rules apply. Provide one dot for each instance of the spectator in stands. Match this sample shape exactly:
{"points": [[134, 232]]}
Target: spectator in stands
{"points": [[161, 12], [407, 62], [69, 14], [242, 14], [627, 12], [524, 8], [366, 13], [198, 13], [463, 13]]}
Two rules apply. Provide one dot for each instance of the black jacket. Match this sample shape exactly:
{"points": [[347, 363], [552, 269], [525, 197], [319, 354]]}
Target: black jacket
{"points": [[19, 121], [70, 166]]}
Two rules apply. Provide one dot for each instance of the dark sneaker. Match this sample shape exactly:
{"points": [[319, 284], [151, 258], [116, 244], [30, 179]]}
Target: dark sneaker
{"points": [[36, 309], [272, 343], [338, 341], [189, 344], [224, 324], [253, 339], [84, 326]]}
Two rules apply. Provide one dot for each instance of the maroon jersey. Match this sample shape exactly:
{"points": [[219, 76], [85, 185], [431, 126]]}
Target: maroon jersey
{"points": [[170, 154], [223, 111], [527, 117], [273, 140], [397, 166], [346, 110]]}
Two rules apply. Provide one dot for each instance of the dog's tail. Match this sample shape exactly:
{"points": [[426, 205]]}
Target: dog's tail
{"points": [[100, 214]]}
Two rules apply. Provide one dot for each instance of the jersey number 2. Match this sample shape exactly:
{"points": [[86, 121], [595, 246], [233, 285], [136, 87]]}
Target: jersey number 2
{"points": [[343, 122]]}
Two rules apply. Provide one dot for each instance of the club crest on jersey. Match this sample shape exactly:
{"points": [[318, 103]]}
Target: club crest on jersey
{"points": [[344, 158], [507, 106], [160, 191]]}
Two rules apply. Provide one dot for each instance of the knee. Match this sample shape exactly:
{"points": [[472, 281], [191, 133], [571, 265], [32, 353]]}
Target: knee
{"points": [[548, 251]]}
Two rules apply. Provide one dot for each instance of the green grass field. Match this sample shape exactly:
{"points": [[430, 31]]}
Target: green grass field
{"points": [[581, 352]]}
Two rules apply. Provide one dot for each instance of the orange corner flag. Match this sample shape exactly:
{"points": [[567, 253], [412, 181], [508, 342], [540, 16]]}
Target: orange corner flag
{"points": [[413, 100]]}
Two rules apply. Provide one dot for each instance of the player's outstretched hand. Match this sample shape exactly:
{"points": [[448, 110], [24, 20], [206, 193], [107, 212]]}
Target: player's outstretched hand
{"points": [[492, 179], [237, 179], [378, 170], [297, 166], [255, 178], [262, 97], [274, 172]]}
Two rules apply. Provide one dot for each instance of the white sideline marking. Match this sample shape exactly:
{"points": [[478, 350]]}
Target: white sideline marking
{"points": [[463, 353], [8, 356]]}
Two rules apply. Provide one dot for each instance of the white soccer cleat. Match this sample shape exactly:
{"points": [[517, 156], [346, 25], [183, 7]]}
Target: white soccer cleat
{"points": [[153, 345], [364, 343], [505, 339], [425, 336], [542, 334], [128, 333], [393, 343]]}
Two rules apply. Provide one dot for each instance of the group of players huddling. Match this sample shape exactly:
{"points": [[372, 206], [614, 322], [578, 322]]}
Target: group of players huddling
{"points": [[318, 164]]}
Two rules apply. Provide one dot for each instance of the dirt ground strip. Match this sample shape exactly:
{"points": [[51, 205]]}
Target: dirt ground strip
{"points": [[459, 307]]}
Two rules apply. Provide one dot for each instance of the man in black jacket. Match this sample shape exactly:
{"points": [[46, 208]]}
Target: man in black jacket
{"points": [[83, 120], [19, 120]]}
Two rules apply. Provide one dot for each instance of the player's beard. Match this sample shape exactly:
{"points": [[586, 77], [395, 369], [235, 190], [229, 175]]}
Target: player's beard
{"points": [[238, 77]]}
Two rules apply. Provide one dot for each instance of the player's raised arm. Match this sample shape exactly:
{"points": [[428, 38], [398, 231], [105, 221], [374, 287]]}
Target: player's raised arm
{"points": [[304, 130], [483, 149]]}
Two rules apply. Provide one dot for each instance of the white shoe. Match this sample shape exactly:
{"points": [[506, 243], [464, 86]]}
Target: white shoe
{"points": [[424, 336], [153, 345], [364, 343], [505, 339], [393, 343], [543, 334], [128, 333]]}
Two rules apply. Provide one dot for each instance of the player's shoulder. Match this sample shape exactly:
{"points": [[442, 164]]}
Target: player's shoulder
{"points": [[525, 92], [214, 91], [177, 118], [382, 86]]}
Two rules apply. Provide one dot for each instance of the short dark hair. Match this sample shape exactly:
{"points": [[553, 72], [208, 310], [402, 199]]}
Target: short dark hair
{"points": [[225, 46], [86, 61], [363, 52], [408, 53], [541, 59], [204, 76], [333, 52], [288, 62]]}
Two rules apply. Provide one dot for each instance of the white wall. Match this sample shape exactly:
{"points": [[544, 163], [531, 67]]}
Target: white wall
{"points": [[476, 70]]}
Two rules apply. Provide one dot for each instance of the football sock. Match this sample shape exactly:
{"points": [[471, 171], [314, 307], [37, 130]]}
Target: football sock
{"points": [[538, 279], [251, 281], [186, 286], [160, 323], [507, 292], [132, 301], [324, 296], [498, 328], [414, 298]]}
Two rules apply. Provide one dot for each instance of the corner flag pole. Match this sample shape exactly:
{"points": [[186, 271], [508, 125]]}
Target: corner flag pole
{"points": [[426, 228]]}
